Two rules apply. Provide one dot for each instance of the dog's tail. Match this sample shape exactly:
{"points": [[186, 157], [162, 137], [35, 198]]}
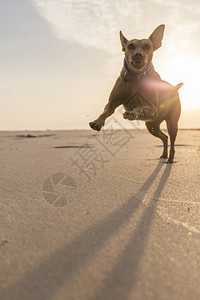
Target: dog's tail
{"points": [[178, 86]]}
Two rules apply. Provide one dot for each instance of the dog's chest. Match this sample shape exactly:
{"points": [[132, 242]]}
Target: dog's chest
{"points": [[141, 95]]}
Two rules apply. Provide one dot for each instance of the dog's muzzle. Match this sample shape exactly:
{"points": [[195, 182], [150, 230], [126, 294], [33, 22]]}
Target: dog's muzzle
{"points": [[138, 55], [138, 60]]}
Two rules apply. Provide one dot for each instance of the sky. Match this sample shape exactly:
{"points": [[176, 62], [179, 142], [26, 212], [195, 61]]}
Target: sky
{"points": [[60, 59]]}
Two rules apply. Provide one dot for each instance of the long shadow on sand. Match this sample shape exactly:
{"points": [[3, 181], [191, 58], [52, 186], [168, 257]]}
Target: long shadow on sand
{"points": [[124, 273], [45, 279]]}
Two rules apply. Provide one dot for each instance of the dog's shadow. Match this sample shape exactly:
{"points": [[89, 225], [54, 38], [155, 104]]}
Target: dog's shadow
{"points": [[44, 280], [120, 281]]}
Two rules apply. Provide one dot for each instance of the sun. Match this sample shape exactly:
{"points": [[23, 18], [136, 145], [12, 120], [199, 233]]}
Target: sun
{"points": [[183, 68]]}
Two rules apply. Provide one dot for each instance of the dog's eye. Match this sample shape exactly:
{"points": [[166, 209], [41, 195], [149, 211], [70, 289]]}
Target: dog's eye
{"points": [[146, 47], [131, 46]]}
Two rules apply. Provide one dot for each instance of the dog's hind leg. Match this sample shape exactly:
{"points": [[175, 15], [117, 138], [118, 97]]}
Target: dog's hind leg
{"points": [[154, 129], [172, 127], [172, 130]]}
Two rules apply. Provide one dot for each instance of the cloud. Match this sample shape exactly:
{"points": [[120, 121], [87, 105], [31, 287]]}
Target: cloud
{"points": [[97, 23], [91, 23]]}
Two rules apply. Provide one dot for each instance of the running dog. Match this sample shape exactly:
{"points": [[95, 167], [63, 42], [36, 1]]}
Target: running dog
{"points": [[144, 95]]}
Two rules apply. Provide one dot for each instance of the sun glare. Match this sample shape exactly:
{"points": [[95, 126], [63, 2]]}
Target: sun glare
{"points": [[184, 68]]}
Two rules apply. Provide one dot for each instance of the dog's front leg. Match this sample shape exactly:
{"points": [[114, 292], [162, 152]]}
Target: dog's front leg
{"points": [[108, 111], [115, 100]]}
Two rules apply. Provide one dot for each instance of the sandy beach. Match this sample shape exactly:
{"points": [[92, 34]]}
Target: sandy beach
{"points": [[86, 215]]}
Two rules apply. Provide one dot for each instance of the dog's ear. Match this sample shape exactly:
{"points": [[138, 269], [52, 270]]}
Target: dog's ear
{"points": [[157, 36], [123, 40]]}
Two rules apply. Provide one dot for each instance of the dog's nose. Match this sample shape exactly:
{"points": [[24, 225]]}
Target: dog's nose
{"points": [[138, 54]]}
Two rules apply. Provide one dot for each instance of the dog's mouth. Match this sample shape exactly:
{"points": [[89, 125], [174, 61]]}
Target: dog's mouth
{"points": [[138, 64]]}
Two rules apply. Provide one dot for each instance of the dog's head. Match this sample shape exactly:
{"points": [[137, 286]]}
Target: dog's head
{"points": [[139, 53]]}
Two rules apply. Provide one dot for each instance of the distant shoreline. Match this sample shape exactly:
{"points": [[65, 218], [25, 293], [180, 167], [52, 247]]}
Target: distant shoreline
{"points": [[53, 130]]}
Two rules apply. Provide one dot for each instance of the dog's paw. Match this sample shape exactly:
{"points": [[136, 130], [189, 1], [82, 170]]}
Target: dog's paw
{"points": [[96, 125], [129, 115], [170, 161], [164, 156]]}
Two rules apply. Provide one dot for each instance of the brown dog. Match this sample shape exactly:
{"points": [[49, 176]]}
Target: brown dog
{"points": [[144, 95]]}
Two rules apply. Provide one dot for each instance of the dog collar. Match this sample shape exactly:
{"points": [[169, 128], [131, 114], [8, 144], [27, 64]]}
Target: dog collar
{"points": [[132, 76]]}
